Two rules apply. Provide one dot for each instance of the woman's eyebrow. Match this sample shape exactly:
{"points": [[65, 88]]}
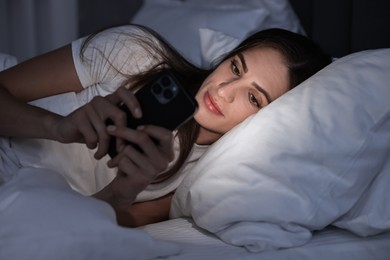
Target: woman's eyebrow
{"points": [[263, 91], [242, 59], [257, 86]]}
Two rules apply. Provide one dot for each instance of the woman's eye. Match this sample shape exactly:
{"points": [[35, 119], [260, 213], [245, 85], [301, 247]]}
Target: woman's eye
{"points": [[254, 101], [236, 71]]}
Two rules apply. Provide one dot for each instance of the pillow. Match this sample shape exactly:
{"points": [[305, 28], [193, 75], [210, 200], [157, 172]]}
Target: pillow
{"points": [[281, 13], [42, 218], [7, 61], [370, 215], [300, 163], [179, 23], [214, 45]]}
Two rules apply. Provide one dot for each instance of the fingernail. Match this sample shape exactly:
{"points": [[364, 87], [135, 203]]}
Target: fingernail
{"points": [[121, 147], [137, 113], [111, 128], [141, 127]]}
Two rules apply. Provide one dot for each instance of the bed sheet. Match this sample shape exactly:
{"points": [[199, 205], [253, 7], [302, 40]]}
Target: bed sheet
{"points": [[331, 243]]}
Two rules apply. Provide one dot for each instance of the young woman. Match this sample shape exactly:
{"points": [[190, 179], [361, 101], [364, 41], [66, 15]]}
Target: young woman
{"points": [[103, 67]]}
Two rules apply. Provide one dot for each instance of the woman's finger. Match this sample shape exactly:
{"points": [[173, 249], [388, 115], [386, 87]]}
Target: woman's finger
{"points": [[163, 137], [100, 128], [141, 162], [136, 165], [152, 153], [76, 127], [107, 110], [126, 97], [99, 111], [89, 135], [123, 133]]}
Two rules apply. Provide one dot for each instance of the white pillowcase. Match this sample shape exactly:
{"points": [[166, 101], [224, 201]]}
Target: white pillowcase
{"points": [[300, 163], [43, 218], [371, 214], [7, 61], [281, 13], [214, 45], [179, 23]]}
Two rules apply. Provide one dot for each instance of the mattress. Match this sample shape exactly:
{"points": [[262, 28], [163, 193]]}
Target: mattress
{"points": [[330, 243]]}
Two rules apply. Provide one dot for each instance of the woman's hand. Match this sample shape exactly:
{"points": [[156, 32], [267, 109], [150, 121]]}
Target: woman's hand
{"points": [[138, 167], [88, 123]]}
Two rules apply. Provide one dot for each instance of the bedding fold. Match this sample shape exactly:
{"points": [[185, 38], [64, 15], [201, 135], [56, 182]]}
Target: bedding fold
{"points": [[43, 218]]}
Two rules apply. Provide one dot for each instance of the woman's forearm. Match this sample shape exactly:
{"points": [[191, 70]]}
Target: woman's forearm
{"points": [[42, 76], [138, 214], [19, 119], [148, 212]]}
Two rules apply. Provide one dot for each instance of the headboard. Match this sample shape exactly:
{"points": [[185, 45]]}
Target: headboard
{"points": [[346, 26], [339, 26]]}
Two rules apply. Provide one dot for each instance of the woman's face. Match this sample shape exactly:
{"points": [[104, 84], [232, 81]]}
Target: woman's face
{"points": [[238, 88]]}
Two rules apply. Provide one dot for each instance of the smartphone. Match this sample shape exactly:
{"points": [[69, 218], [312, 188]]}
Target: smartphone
{"points": [[164, 102]]}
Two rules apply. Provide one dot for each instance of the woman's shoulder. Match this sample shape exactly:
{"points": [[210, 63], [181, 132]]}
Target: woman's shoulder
{"points": [[110, 56], [128, 49], [126, 31], [124, 35]]}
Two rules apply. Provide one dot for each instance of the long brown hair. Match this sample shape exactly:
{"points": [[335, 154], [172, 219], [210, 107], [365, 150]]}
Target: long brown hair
{"points": [[303, 58]]}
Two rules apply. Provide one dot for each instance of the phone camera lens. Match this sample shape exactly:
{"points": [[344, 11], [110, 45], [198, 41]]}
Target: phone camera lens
{"points": [[166, 81], [157, 89]]}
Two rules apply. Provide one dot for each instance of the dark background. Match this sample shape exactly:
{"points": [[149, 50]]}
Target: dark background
{"points": [[340, 26]]}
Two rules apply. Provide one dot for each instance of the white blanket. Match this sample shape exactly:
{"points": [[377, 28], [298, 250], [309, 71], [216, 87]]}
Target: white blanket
{"points": [[43, 218]]}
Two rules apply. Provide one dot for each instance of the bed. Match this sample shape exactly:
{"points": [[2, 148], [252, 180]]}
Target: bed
{"points": [[305, 178]]}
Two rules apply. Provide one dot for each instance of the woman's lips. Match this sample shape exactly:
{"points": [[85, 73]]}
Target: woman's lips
{"points": [[211, 105]]}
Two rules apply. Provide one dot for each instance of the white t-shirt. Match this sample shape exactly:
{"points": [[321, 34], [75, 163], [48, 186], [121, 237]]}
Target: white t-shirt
{"points": [[114, 54]]}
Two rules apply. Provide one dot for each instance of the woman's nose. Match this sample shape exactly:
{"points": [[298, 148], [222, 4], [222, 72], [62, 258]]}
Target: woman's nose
{"points": [[227, 91]]}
